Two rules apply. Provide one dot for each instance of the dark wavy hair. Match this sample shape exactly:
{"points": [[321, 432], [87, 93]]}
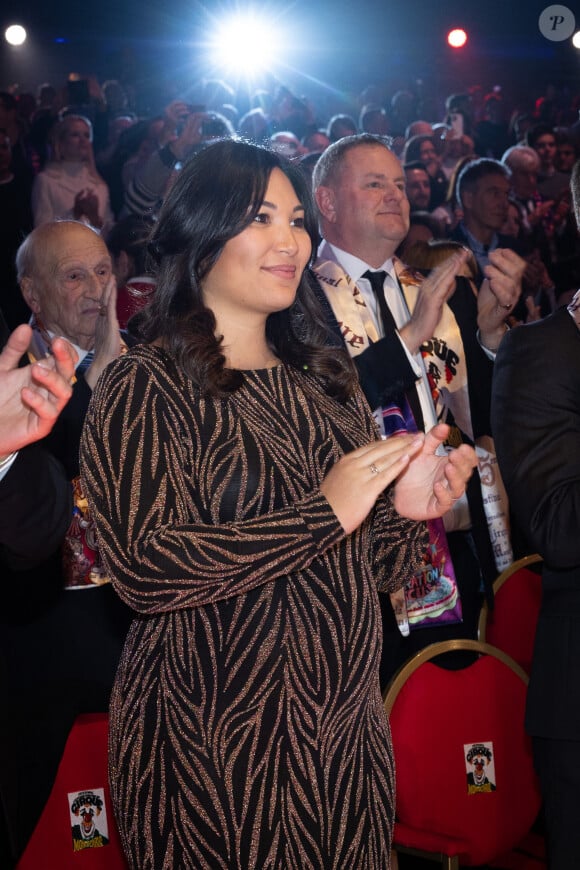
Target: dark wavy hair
{"points": [[218, 194]]}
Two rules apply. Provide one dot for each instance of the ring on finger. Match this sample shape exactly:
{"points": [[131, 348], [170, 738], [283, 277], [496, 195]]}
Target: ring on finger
{"points": [[374, 469]]}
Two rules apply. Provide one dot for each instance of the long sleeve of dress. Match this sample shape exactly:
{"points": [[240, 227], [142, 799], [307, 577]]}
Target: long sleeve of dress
{"points": [[392, 565], [158, 549]]}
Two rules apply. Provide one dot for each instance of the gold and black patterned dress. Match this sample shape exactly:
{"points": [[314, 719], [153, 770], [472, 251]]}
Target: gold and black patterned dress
{"points": [[247, 729]]}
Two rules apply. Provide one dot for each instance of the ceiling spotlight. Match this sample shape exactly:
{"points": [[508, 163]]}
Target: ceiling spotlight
{"points": [[15, 34], [246, 44]]}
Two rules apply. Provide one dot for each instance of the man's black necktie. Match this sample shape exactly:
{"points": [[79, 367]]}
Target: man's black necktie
{"points": [[377, 281]]}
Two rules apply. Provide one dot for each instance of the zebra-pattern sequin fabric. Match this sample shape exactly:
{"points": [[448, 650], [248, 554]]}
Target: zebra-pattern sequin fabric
{"points": [[247, 729]]}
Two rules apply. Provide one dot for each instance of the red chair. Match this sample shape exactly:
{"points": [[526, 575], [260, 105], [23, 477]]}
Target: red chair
{"points": [[77, 830], [466, 788], [511, 625]]}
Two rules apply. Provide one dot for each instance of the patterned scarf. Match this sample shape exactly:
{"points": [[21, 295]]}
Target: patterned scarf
{"points": [[445, 366], [82, 565], [443, 356]]}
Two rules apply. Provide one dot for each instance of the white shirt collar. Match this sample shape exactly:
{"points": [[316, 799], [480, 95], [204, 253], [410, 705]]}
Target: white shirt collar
{"points": [[81, 352], [356, 268]]}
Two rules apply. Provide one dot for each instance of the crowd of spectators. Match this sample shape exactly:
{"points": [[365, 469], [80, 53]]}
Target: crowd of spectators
{"points": [[82, 152], [481, 175]]}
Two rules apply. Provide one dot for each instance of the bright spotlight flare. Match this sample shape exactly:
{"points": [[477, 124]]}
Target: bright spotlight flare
{"points": [[245, 44], [457, 38], [15, 34]]}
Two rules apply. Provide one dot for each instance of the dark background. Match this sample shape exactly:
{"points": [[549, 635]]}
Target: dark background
{"points": [[332, 49]]}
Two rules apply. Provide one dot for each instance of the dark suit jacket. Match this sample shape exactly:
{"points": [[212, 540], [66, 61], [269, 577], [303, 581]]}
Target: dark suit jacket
{"points": [[536, 425], [58, 649], [35, 512], [385, 374]]}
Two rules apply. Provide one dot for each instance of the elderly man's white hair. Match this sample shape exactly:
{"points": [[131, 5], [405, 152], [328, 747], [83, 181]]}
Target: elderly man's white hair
{"points": [[31, 251], [521, 157]]}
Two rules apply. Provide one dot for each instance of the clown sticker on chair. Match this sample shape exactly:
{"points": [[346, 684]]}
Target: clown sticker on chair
{"points": [[88, 815], [479, 767]]}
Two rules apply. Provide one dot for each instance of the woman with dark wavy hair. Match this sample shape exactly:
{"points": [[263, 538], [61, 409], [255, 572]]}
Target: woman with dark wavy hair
{"points": [[238, 487]]}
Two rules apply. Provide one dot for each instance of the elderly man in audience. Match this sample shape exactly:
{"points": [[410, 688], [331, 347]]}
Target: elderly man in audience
{"points": [[62, 625], [524, 165]]}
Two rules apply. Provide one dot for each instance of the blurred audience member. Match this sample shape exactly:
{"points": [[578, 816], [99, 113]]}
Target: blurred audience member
{"points": [[286, 143], [460, 104], [483, 190], [491, 133], [512, 225], [127, 244], [417, 185], [316, 141], [419, 128], [70, 186], [373, 119], [288, 112], [551, 182], [134, 147], [10, 122], [44, 118], [524, 165], [340, 126], [423, 227], [423, 148], [519, 125], [254, 125], [307, 163], [402, 112], [115, 97], [456, 147], [15, 224], [152, 177], [450, 212], [566, 152]]}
